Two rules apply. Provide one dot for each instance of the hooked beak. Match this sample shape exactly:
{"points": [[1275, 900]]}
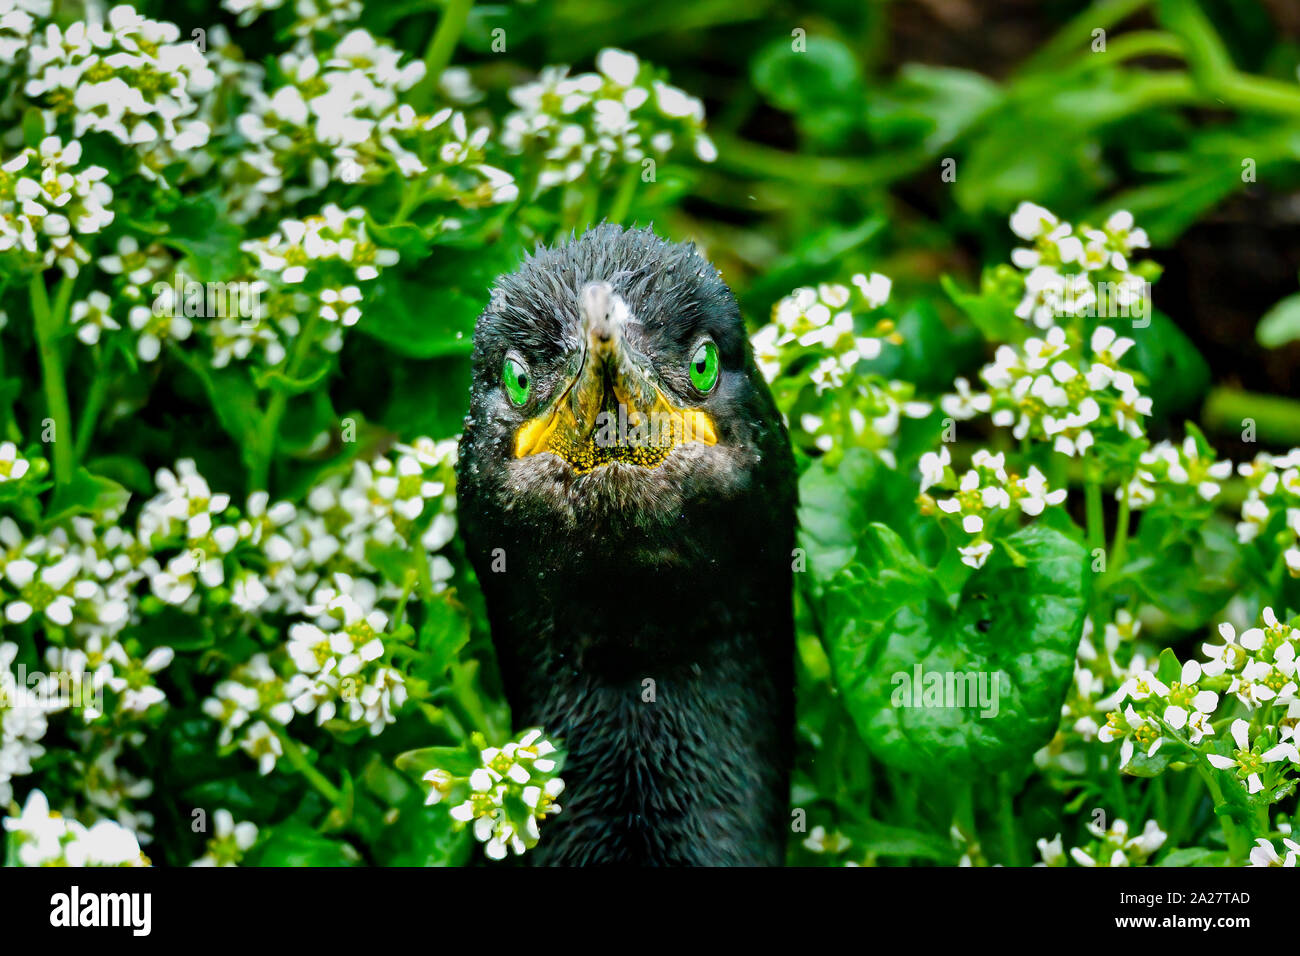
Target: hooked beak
{"points": [[612, 410]]}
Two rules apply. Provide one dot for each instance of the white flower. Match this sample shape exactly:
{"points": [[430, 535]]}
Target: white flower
{"points": [[12, 467], [933, 466], [261, 743], [230, 841], [1030, 221], [1241, 735], [1265, 854]]}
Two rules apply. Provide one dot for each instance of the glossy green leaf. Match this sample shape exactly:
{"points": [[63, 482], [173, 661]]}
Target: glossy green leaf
{"points": [[886, 616]]}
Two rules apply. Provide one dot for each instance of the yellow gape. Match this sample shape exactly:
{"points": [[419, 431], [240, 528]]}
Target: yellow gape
{"points": [[612, 410]]}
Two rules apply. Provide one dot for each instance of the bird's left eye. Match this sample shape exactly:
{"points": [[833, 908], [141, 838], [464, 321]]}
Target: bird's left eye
{"points": [[704, 366], [516, 380]]}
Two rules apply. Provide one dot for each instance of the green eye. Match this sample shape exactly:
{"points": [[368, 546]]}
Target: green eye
{"points": [[704, 367], [516, 381]]}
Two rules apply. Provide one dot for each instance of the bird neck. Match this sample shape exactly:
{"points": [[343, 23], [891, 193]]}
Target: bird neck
{"points": [[673, 701]]}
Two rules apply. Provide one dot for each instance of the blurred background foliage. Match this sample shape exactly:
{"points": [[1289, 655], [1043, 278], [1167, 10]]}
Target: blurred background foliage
{"points": [[834, 121]]}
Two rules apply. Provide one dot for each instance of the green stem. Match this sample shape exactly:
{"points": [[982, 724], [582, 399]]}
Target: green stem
{"points": [[10, 427], [1119, 544], [441, 47], [739, 155], [1238, 846], [1130, 46], [275, 409], [623, 198], [300, 763], [1096, 519], [1274, 418], [1185, 808], [1214, 70], [94, 402], [1007, 823], [1079, 32], [48, 323]]}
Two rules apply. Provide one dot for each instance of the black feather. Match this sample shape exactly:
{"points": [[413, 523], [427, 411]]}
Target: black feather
{"points": [[679, 574]]}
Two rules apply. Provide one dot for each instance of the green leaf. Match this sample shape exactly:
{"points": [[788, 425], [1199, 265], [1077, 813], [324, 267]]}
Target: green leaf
{"points": [[1281, 324], [428, 397], [393, 562], [930, 105], [200, 228], [444, 632], [86, 493], [33, 127], [1195, 856], [836, 503], [457, 761], [294, 844], [889, 622], [820, 85], [994, 317], [125, 469], [418, 321], [429, 311], [235, 400], [1168, 668], [1176, 372], [885, 840]]}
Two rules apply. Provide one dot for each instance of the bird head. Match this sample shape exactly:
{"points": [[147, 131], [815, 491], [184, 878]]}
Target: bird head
{"points": [[614, 391]]}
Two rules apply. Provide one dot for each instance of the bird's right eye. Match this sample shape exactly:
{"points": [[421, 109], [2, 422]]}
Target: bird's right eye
{"points": [[515, 378]]}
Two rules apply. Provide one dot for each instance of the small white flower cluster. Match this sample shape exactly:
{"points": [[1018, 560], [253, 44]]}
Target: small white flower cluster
{"points": [[336, 235], [1183, 704], [323, 15], [581, 126], [110, 790], [1063, 268], [186, 515], [1113, 846], [982, 496], [311, 15], [334, 251], [820, 321], [375, 505], [1094, 692], [153, 318], [51, 839], [1258, 669], [339, 656], [19, 20], [1261, 662], [47, 198], [1183, 475], [83, 576], [1051, 389], [813, 339], [315, 561], [338, 117], [130, 77], [1274, 490], [230, 841], [79, 578], [514, 791], [22, 724]]}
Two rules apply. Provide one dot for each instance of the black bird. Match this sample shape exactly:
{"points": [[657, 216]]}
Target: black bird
{"points": [[627, 495]]}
